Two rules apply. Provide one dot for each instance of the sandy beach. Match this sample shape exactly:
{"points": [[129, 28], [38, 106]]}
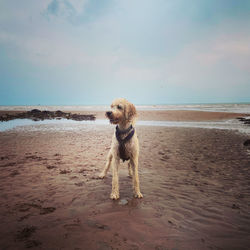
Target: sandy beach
{"points": [[195, 184]]}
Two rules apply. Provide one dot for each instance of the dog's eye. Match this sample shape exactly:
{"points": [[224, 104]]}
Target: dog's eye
{"points": [[119, 107]]}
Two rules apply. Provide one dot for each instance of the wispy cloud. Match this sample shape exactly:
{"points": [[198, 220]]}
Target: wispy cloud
{"points": [[65, 8], [76, 11]]}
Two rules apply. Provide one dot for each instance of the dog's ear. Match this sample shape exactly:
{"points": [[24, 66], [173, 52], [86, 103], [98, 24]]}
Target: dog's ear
{"points": [[131, 111]]}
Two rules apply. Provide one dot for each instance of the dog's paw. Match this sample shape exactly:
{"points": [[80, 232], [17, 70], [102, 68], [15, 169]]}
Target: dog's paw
{"points": [[101, 175], [114, 196], [138, 195]]}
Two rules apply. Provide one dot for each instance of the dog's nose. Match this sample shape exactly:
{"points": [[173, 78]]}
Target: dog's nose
{"points": [[108, 113]]}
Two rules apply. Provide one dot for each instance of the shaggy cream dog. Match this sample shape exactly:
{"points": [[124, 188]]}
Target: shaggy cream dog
{"points": [[124, 145]]}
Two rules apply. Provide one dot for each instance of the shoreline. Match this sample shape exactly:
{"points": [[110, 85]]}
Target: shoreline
{"points": [[47, 120], [26, 125]]}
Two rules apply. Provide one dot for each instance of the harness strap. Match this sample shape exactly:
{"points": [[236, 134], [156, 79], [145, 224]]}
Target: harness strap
{"points": [[122, 142], [127, 138], [123, 131]]}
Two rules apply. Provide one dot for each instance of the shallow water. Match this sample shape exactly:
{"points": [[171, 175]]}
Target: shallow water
{"points": [[64, 124], [231, 107]]}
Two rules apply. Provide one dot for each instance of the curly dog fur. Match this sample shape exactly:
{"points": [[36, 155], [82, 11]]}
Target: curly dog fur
{"points": [[123, 113]]}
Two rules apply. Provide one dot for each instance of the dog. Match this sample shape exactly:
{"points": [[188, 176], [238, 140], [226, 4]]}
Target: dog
{"points": [[125, 145]]}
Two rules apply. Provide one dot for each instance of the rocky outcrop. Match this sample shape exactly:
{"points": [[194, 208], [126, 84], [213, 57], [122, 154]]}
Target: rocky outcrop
{"points": [[38, 115], [244, 120]]}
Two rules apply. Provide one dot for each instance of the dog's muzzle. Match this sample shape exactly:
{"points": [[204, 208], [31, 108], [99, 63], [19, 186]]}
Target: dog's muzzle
{"points": [[109, 114]]}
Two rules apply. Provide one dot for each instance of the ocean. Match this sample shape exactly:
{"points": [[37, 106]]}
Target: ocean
{"points": [[232, 107]]}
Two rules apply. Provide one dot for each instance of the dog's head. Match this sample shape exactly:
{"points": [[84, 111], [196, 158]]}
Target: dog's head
{"points": [[121, 111]]}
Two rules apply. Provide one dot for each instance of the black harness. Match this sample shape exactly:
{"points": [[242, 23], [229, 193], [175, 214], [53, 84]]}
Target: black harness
{"points": [[122, 149]]}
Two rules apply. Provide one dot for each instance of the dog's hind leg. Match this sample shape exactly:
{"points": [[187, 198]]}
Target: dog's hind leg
{"points": [[107, 166], [130, 172]]}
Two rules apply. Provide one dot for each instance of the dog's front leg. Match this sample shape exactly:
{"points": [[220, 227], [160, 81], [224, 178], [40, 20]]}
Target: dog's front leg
{"points": [[106, 168], [115, 179], [136, 183]]}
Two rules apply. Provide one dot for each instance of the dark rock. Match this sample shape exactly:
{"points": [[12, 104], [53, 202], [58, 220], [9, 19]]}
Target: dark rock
{"points": [[35, 111], [244, 120], [5, 117], [38, 115], [247, 143], [59, 113], [240, 119]]}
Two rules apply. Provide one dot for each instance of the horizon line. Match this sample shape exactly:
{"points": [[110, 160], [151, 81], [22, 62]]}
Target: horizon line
{"points": [[158, 104]]}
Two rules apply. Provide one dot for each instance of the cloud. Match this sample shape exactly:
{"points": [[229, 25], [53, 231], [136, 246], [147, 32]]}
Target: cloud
{"points": [[65, 8], [214, 70], [76, 12]]}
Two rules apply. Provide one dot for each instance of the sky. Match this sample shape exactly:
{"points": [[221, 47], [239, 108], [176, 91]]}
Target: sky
{"points": [[88, 52]]}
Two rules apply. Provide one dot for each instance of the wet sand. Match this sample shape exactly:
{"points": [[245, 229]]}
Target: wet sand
{"points": [[195, 184], [175, 115]]}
